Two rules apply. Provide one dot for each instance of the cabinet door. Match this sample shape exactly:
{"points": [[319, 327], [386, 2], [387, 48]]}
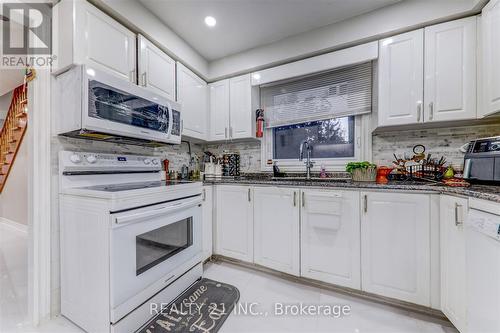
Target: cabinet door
{"points": [[330, 237], [103, 42], [206, 213], [395, 246], [240, 106], [192, 93], [452, 213], [234, 233], [156, 69], [401, 74], [219, 110], [276, 228], [491, 58], [450, 71]]}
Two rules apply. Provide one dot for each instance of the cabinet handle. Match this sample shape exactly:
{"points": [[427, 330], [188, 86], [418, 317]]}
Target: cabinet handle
{"points": [[419, 111], [230, 131], [225, 132], [249, 197], [458, 222], [132, 75], [431, 110], [365, 203], [144, 82], [303, 199], [204, 194], [294, 198]]}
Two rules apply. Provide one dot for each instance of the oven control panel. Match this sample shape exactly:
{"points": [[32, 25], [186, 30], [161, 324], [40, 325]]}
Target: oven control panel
{"points": [[86, 160]]}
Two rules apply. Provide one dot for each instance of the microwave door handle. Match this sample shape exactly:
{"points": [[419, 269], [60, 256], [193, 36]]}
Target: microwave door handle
{"points": [[170, 119], [156, 212]]}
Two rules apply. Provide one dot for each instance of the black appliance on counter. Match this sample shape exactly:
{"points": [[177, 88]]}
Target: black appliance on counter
{"points": [[231, 165], [482, 161]]}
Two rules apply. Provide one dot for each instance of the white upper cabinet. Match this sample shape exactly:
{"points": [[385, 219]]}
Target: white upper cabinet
{"points": [[450, 71], [232, 103], [453, 211], [490, 73], [156, 69], [276, 229], [192, 93], [400, 85], [330, 237], [85, 35], [445, 90], [241, 114], [234, 226], [395, 245], [219, 110]]}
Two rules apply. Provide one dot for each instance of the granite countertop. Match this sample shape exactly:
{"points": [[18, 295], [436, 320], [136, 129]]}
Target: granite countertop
{"points": [[486, 192]]}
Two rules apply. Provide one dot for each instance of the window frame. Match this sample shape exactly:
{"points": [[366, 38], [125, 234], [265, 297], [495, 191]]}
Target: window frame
{"points": [[362, 151]]}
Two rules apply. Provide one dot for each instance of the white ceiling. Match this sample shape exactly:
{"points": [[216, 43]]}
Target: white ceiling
{"points": [[245, 24], [10, 78]]}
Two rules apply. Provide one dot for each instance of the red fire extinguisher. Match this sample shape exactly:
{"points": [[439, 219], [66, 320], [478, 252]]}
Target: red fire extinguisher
{"points": [[259, 132]]}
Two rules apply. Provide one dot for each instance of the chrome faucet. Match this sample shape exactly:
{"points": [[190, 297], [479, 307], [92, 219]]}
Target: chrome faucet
{"points": [[308, 162]]}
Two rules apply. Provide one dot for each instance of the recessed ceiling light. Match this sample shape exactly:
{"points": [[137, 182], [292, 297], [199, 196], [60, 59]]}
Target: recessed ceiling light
{"points": [[210, 21]]}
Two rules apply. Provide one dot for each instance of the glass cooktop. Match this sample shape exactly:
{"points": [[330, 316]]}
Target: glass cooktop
{"points": [[135, 186]]}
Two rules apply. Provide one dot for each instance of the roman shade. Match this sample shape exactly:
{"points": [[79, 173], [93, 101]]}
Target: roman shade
{"points": [[338, 93]]}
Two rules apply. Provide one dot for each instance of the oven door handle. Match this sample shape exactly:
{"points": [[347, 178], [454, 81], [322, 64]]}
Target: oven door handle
{"points": [[173, 207]]}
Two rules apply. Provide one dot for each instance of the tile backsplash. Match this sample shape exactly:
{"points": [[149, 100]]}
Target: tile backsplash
{"points": [[438, 141], [249, 153]]}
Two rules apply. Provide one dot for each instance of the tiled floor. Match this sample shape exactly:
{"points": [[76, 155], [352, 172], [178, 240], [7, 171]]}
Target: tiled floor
{"points": [[265, 290], [13, 279]]}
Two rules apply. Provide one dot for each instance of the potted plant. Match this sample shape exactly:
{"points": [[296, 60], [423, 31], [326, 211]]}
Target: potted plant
{"points": [[362, 171]]}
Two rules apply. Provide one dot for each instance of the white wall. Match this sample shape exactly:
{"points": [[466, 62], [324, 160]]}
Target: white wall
{"points": [[403, 16], [142, 20], [14, 197], [4, 106]]}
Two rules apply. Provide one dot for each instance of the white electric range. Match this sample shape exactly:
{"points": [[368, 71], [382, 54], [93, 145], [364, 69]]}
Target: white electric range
{"points": [[128, 239]]}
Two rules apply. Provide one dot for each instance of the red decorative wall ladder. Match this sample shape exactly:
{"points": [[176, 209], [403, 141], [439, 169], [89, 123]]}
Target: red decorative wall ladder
{"points": [[13, 131]]}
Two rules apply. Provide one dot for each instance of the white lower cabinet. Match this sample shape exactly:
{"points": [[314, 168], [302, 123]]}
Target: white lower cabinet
{"points": [[207, 216], [276, 228], [395, 245], [234, 226], [377, 242], [330, 237], [453, 211]]}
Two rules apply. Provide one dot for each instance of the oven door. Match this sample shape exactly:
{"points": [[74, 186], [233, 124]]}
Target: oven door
{"points": [[118, 107], [148, 247]]}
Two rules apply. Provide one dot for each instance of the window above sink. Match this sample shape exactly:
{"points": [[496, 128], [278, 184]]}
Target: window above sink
{"points": [[330, 110]]}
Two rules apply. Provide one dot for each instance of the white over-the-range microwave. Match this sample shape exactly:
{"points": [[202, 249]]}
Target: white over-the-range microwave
{"points": [[95, 105]]}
